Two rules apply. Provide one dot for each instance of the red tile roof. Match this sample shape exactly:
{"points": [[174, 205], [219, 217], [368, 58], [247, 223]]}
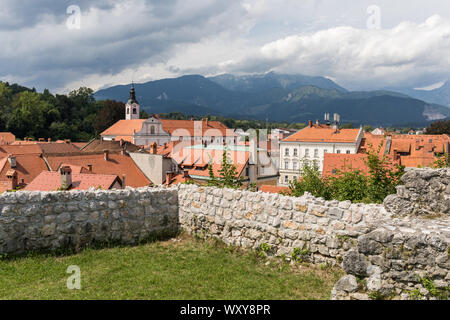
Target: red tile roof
{"points": [[20, 149], [7, 138], [126, 128], [28, 167], [197, 161], [343, 162], [99, 145], [273, 189], [324, 134], [36, 147], [51, 181], [116, 165]]}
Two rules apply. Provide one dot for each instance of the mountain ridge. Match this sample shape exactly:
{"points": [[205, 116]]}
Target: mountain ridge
{"points": [[277, 97]]}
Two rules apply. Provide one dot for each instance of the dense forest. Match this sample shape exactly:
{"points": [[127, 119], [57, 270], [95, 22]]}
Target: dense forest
{"points": [[76, 116]]}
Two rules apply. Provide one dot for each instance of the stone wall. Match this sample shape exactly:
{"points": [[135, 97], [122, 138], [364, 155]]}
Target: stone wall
{"points": [[424, 192], [396, 250], [322, 230], [384, 256], [400, 259], [54, 220]]}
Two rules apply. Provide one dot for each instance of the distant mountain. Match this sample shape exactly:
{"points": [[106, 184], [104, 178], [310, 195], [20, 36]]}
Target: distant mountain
{"points": [[262, 82], [277, 97], [439, 96]]}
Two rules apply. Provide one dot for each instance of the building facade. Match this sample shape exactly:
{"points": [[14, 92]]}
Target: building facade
{"points": [[309, 146]]}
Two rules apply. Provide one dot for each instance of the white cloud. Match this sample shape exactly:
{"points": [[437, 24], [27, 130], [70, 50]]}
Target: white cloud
{"points": [[406, 54]]}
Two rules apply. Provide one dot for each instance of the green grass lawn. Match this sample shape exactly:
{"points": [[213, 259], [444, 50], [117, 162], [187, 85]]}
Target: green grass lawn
{"points": [[184, 268]]}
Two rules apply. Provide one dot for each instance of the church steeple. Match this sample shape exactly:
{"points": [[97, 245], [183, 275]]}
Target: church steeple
{"points": [[132, 107], [132, 94]]}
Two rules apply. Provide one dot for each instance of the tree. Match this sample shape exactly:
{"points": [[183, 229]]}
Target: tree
{"points": [[383, 177], [442, 161], [439, 127], [228, 177], [29, 115], [111, 112], [347, 126], [310, 181], [348, 184]]}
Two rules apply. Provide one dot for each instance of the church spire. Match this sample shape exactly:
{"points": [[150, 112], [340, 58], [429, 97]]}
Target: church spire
{"points": [[132, 94]]}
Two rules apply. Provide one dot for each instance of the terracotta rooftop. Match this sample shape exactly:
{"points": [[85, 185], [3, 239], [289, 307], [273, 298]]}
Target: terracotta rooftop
{"points": [[273, 189], [117, 164], [28, 167], [324, 134], [20, 149], [128, 127], [198, 161], [51, 181], [98, 145], [341, 162], [7, 137], [37, 147], [53, 147]]}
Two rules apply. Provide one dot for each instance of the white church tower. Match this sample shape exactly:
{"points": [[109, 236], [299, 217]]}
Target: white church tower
{"points": [[132, 108]]}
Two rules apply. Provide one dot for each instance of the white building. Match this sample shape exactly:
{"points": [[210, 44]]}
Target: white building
{"points": [[309, 146]]}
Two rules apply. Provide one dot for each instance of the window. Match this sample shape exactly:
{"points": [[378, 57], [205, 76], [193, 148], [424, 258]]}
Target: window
{"points": [[348, 151], [134, 111], [152, 130], [338, 151], [295, 152], [286, 179], [316, 153], [295, 166], [295, 178], [246, 171], [325, 151], [128, 110], [286, 152], [286, 165], [306, 152]]}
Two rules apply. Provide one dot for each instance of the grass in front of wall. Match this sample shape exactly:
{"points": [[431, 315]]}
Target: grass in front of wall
{"points": [[181, 268]]}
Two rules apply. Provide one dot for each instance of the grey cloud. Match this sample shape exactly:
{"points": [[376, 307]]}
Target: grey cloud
{"points": [[111, 38]]}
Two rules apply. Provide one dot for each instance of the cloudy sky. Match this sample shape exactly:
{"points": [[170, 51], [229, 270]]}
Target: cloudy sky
{"points": [[361, 44]]}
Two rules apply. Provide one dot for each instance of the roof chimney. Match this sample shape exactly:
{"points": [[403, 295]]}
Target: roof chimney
{"points": [[66, 177], [49, 139], [310, 124], [106, 154], [124, 185], [153, 148], [12, 161], [169, 177], [12, 179]]}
